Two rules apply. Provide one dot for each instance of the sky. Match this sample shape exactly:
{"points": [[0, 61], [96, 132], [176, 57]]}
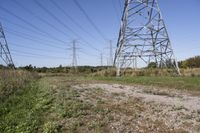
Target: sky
{"points": [[41, 34]]}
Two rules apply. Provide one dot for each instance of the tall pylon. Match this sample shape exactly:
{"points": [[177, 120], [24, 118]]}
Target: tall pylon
{"points": [[4, 50], [74, 58], [143, 37], [101, 59], [111, 53]]}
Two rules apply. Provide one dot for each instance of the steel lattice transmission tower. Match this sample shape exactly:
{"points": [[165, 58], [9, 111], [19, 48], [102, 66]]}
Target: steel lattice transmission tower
{"points": [[143, 37], [74, 59], [4, 50]]}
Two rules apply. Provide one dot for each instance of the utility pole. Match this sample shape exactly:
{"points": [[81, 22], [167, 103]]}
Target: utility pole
{"points": [[101, 59], [74, 58], [111, 53], [4, 50], [143, 37]]}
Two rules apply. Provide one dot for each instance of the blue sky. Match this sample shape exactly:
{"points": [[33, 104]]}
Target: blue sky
{"points": [[41, 44]]}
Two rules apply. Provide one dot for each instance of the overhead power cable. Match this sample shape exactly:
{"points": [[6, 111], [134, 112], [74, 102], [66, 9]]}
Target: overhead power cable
{"points": [[90, 55], [22, 26], [35, 56], [120, 5], [116, 10], [72, 19], [90, 20], [38, 17], [28, 23], [53, 16], [35, 40], [33, 48], [32, 54], [25, 34], [63, 24]]}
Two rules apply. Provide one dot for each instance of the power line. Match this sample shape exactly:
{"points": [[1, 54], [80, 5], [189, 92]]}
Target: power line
{"points": [[4, 50], [68, 16], [91, 46], [38, 17], [40, 43], [143, 44], [25, 34], [21, 26], [32, 48], [75, 49], [63, 24], [31, 25], [89, 19], [53, 16], [35, 40], [74, 54], [116, 10], [33, 56], [120, 5], [74, 59], [40, 55], [88, 53], [111, 54], [101, 59]]}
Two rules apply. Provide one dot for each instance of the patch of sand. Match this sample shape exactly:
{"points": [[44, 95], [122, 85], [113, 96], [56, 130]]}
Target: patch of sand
{"points": [[175, 108]]}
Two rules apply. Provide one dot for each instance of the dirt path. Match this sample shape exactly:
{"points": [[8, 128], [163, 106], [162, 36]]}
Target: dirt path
{"points": [[150, 94], [176, 110]]}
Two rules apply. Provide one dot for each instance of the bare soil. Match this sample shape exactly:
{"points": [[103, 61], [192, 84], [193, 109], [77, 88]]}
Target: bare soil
{"points": [[143, 109]]}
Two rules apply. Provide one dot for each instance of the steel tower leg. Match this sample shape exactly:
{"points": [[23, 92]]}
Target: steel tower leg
{"points": [[4, 50], [143, 37]]}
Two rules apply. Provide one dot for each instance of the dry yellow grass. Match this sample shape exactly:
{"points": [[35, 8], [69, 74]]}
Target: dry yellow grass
{"points": [[11, 80], [149, 72], [191, 72]]}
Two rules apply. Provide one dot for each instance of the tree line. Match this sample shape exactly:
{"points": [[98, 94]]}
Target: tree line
{"points": [[66, 69], [193, 62]]}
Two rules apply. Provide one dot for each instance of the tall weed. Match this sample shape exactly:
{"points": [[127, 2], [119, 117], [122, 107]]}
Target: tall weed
{"points": [[11, 80]]}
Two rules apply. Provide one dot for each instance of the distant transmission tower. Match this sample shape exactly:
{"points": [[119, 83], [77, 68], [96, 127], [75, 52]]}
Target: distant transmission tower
{"points": [[143, 37], [111, 54], [101, 59], [74, 58], [4, 50]]}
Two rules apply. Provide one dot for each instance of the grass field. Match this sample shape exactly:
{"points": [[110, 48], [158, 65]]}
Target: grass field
{"points": [[174, 82], [186, 83], [61, 104]]}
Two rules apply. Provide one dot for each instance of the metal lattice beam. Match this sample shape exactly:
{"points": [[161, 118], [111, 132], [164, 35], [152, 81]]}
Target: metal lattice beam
{"points": [[4, 50], [143, 36]]}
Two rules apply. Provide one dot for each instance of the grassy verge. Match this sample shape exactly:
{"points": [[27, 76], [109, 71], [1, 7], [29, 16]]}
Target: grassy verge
{"points": [[183, 82], [53, 104], [48, 105], [25, 109], [186, 83], [12, 80]]}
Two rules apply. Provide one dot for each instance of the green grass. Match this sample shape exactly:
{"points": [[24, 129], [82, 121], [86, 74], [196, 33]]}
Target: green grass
{"points": [[186, 83], [51, 105], [182, 82], [20, 112], [41, 106], [12, 80], [25, 109]]}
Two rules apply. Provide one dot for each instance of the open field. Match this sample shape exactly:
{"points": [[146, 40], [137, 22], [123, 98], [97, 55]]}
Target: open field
{"points": [[85, 104], [99, 66], [182, 83]]}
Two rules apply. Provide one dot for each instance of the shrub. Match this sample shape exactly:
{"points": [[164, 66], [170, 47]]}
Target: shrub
{"points": [[11, 80]]}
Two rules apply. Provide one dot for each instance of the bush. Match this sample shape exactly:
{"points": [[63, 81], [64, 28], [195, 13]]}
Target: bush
{"points": [[11, 80], [193, 62]]}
